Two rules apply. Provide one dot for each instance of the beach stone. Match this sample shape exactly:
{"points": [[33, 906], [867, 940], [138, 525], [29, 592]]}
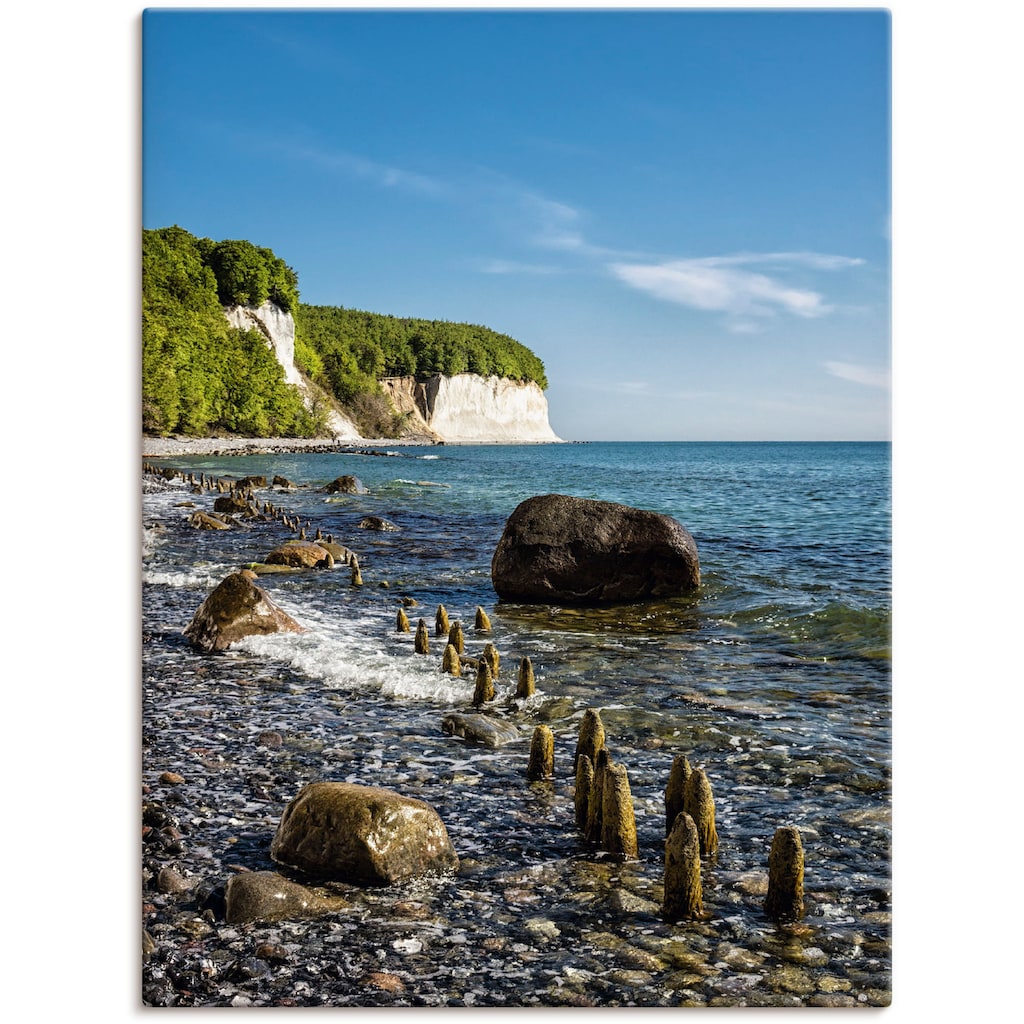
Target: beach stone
{"points": [[283, 481], [268, 896], [376, 523], [202, 521], [269, 738], [236, 608], [232, 502], [491, 732], [361, 834], [337, 551], [300, 554], [585, 552], [346, 485], [171, 881]]}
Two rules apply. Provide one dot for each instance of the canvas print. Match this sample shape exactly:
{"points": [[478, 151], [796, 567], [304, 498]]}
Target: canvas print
{"points": [[516, 589]]}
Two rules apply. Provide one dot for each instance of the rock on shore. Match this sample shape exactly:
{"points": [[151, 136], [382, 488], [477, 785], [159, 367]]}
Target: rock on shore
{"points": [[580, 551]]}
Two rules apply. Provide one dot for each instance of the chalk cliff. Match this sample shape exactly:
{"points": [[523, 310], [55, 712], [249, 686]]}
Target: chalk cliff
{"points": [[465, 408], [468, 408], [278, 327]]}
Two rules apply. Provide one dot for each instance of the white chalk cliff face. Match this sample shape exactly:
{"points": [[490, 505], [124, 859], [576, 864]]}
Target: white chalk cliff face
{"points": [[468, 408], [278, 327], [465, 408]]}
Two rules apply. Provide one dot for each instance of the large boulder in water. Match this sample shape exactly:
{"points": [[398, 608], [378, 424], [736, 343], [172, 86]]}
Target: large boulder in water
{"points": [[346, 485], [301, 554], [235, 609], [361, 834], [579, 551]]}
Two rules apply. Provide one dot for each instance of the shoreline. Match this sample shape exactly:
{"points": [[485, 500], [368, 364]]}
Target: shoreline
{"points": [[179, 447]]}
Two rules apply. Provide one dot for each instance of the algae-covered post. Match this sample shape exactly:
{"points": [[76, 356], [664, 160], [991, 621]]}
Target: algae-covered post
{"points": [[785, 899], [542, 754], [683, 900]]}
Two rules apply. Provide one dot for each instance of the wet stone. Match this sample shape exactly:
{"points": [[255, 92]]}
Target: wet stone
{"points": [[269, 738]]}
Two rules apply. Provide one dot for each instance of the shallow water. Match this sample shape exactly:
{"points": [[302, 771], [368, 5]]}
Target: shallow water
{"points": [[776, 681]]}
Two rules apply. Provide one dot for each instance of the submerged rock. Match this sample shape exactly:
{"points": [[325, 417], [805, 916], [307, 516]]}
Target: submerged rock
{"points": [[268, 896], [586, 552], [237, 608], [491, 732], [361, 834]]}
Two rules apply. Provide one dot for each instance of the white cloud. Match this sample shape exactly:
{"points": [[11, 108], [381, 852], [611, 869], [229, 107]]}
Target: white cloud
{"points": [[716, 286], [867, 375]]}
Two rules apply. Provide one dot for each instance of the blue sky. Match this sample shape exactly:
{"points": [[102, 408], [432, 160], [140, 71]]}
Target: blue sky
{"points": [[685, 214]]}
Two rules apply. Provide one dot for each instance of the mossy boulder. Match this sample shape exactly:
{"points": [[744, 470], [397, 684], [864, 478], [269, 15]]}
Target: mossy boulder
{"points": [[229, 503], [202, 521], [578, 551], [363, 835], [491, 732], [236, 608], [301, 554], [346, 485], [376, 523], [268, 896]]}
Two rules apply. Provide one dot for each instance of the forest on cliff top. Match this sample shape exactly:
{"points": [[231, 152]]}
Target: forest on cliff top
{"points": [[201, 376]]}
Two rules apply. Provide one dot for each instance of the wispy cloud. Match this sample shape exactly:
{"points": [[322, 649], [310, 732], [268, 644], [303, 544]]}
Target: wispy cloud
{"points": [[867, 375], [720, 285], [353, 165]]}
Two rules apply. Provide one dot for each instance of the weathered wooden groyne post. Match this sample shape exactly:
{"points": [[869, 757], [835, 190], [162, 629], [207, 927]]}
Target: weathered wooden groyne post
{"points": [[481, 622], [441, 623], [618, 822], [595, 805], [402, 622], [675, 791], [785, 899], [591, 738], [683, 900], [490, 655], [699, 803], [584, 790], [484, 691], [542, 754], [450, 662], [457, 638], [421, 644], [524, 682]]}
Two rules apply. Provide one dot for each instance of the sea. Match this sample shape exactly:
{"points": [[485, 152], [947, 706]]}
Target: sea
{"points": [[775, 679]]}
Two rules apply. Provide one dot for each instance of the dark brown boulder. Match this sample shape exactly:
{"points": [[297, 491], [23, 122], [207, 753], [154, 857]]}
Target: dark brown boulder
{"points": [[376, 523], [361, 834], [346, 485], [301, 554], [579, 551], [267, 896], [235, 609], [233, 502]]}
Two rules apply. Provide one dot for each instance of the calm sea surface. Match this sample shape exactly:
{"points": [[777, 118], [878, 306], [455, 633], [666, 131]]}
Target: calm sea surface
{"points": [[775, 680]]}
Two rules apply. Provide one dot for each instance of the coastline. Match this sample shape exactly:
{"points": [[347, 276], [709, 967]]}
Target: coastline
{"points": [[175, 447], [179, 447]]}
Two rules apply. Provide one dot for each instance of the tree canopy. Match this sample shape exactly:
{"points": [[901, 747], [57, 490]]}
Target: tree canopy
{"points": [[200, 375]]}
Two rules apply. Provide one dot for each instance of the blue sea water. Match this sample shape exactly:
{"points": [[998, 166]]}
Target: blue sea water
{"points": [[775, 678]]}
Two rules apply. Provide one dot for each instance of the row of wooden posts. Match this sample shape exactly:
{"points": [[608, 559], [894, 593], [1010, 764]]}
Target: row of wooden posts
{"points": [[241, 492], [603, 802], [604, 814]]}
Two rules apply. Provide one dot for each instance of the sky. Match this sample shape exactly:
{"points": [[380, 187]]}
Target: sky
{"points": [[685, 214]]}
